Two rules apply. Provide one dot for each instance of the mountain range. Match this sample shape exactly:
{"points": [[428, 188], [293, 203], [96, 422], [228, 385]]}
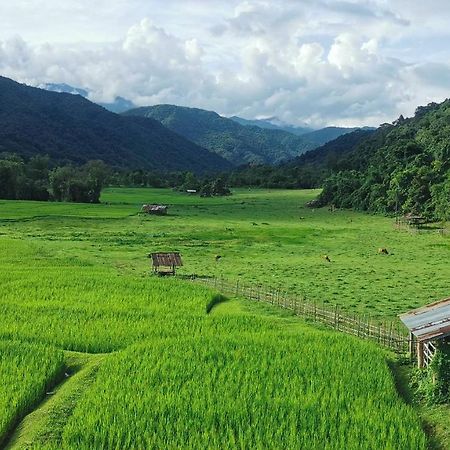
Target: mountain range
{"points": [[262, 141], [69, 128], [60, 121], [236, 143]]}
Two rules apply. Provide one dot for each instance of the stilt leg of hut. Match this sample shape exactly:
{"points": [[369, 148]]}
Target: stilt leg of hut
{"points": [[420, 355]]}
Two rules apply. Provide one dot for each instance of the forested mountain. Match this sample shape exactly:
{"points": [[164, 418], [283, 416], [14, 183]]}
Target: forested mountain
{"points": [[306, 171], [402, 167], [70, 128], [237, 143], [272, 124]]}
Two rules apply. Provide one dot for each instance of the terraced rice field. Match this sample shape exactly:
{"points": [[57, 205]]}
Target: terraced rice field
{"points": [[167, 374]]}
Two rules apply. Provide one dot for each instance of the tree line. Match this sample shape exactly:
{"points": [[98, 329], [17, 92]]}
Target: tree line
{"points": [[36, 179]]}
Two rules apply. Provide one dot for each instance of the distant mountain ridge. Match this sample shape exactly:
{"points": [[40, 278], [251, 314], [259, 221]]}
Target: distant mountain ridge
{"points": [[317, 137], [70, 128], [328, 134], [119, 105], [272, 123], [237, 143]]}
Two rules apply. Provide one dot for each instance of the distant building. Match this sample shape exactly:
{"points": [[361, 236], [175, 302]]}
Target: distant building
{"points": [[159, 210]]}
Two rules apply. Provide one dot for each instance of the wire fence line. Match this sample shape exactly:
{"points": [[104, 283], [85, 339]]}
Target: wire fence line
{"points": [[387, 334]]}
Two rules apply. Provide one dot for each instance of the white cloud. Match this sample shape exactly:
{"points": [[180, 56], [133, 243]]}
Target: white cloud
{"points": [[316, 61]]}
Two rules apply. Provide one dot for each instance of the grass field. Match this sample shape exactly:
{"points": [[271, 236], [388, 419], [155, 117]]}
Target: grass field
{"points": [[262, 236], [161, 373]]}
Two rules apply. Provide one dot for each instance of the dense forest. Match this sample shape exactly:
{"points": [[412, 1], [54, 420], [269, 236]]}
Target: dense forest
{"points": [[403, 168]]}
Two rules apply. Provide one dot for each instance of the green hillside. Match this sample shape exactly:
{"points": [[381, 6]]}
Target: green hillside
{"points": [[402, 167], [237, 143], [69, 128], [306, 171]]}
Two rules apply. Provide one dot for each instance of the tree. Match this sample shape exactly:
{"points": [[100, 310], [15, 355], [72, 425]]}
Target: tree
{"points": [[11, 170], [97, 173], [60, 180]]}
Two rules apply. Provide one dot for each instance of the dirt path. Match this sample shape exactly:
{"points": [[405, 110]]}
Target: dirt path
{"points": [[45, 424]]}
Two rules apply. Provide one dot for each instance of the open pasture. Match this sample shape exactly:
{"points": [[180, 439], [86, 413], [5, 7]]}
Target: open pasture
{"points": [[266, 237], [75, 277]]}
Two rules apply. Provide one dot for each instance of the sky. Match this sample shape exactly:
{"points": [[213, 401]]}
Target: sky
{"points": [[314, 62]]}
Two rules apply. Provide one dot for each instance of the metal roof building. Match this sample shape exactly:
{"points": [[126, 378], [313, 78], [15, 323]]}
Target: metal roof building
{"points": [[428, 324]]}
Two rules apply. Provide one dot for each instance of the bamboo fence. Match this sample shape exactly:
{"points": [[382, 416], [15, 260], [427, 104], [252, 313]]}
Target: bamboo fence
{"points": [[387, 334]]}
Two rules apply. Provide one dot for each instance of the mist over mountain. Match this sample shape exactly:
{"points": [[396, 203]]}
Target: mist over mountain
{"points": [[119, 105]]}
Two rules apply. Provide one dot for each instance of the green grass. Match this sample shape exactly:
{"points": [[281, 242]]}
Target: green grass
{"points": [[284, 249], [76, 277], [26, 372], [46, 423]]}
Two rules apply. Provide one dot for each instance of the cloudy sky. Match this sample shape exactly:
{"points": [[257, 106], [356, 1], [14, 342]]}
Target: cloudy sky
{"points": [[320, 62]]}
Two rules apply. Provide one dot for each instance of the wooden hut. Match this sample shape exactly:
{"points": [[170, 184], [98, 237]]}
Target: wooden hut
{"points": [[159, 210], [165, 263], [427, 325], [414, 220]]}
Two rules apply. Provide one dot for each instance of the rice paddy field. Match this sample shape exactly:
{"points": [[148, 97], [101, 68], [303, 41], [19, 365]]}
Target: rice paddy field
{"points": [[96, 353]]}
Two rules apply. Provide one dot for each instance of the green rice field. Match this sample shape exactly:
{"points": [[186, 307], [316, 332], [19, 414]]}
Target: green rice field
{"points": [[106, 356]]}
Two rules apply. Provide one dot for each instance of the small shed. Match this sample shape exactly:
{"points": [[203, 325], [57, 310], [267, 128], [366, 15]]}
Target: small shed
{"points": [[427, 325], [159, 210], [165, 263], [414, 220]]}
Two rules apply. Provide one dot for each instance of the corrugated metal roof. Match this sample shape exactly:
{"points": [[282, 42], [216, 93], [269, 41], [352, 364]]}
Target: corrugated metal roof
{"points": [[166, 259], [429, 322]]}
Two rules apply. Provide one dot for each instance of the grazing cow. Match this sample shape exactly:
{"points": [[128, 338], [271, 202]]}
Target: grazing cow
{"points": [[326, 258], [218, 257], [383, 251]]}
